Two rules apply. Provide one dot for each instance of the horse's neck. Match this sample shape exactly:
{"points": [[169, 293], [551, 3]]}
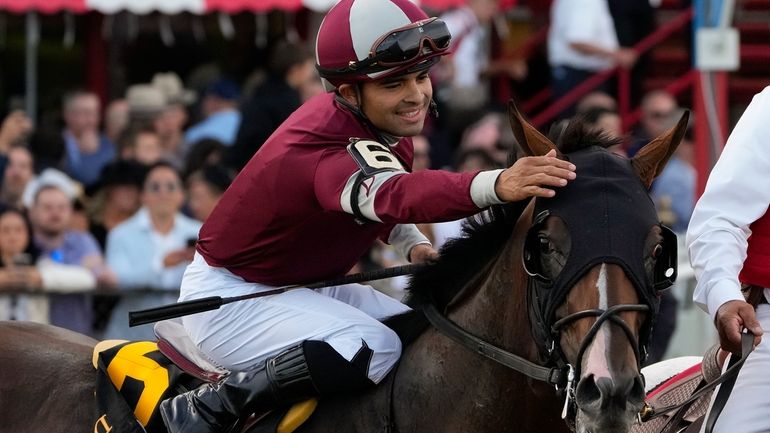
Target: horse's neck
{"points": [[436, 374], [496, 312]]}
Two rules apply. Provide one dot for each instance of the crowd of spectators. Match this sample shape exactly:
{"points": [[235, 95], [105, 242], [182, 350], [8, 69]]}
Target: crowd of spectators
{"points": [[113, 200], [102, 212]]}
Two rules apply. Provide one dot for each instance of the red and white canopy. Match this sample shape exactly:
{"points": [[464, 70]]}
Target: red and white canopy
{"points": [[178, 6], [147, 6]]}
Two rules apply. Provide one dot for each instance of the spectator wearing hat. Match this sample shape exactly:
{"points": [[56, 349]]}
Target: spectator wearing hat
{"points": [[291, 80], [205, 187], [170, 124], [145, 103], [87, 150], [221, 116], [51, 213], [151, 250]]}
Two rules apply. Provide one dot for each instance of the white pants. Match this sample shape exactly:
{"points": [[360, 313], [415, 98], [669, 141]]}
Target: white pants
{"points": [[243, 335], [748, 408]]}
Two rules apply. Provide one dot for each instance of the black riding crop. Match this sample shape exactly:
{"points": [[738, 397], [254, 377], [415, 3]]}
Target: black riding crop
{"points": [[180, 309]]}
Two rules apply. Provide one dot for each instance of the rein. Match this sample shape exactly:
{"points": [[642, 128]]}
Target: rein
{"points": [[553, 376], [727, 379], [561, 377]]}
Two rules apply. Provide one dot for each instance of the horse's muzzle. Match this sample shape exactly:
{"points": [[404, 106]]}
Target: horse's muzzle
{"points": [[608, 405]]}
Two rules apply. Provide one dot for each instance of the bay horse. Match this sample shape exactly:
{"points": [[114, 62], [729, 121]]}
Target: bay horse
{"points": [[564, 285]]}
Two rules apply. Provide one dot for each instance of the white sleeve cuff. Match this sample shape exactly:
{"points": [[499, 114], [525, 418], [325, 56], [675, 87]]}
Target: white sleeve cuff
{"points": [[721, 292], [483, 189], [404, 237]]}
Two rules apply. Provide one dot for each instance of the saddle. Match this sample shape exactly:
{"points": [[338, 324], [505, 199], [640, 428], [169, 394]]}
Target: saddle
{"points": [[673, 381], [134, 377]]}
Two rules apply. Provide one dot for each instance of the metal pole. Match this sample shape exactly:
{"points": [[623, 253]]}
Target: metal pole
{"points": [[30, 75]]}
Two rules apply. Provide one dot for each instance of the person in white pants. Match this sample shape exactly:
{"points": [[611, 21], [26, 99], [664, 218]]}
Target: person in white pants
{"points": [[335, 177], [729, 243]]}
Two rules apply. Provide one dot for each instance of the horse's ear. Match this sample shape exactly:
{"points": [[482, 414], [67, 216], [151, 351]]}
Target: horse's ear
{"points": [[651, 159], [532, 142]]}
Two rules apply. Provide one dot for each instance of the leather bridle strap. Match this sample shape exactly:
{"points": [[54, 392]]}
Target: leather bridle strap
{"points": [[747, 345], [609, 315], [553, 376]]}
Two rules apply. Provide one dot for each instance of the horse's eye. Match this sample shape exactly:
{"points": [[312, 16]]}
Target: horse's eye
{"points": [[545, 245], [657, 251]]}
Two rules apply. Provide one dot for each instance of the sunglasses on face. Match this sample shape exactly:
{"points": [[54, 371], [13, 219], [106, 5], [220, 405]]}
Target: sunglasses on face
{"points": [[156, 187]]}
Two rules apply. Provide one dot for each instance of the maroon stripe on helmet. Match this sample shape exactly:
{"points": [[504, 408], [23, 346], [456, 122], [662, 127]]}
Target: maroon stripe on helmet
{"points": [[334, 44]]}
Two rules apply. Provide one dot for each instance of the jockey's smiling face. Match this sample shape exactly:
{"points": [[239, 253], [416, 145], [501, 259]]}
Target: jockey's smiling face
{"points": [[395, 105]]}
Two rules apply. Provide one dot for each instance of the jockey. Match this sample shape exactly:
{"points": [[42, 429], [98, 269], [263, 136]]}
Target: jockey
{"points": [[729, 242], [332, 179]]}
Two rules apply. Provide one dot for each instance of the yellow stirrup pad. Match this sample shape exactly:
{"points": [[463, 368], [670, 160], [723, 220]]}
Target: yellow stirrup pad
{"points": [[297, 415]]}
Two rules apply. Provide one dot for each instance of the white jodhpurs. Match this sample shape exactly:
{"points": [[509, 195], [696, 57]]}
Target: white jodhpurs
{"points": [[748, 408], [243, 335]]}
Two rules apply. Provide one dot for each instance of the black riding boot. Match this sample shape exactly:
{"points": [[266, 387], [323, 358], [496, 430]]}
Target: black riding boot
{"points": [[286, 379]]}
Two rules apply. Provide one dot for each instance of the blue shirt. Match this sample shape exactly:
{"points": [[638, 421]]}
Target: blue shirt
{"points": [[222, 126], [87, 167], [135, 252], [677, 181], [73, 311]]}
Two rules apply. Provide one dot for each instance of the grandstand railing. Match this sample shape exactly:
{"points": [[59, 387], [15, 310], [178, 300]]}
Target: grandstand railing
{"points": [[628, 115]]}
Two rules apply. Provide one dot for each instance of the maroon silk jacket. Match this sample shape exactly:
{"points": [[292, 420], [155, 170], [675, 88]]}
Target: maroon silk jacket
{"points": [[282, 220]]}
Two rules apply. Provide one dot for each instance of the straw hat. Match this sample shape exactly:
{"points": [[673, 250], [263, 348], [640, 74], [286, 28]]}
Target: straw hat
{"points": [[145, 99], [171, 85]]}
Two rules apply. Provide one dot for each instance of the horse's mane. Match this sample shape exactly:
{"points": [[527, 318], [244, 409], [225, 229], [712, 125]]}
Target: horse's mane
{"points": [[463, 257], [482, 238], [577, 135]]}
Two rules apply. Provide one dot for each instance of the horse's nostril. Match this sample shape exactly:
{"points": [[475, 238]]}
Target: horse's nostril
{"points": [[587, 392], [635, 391], [604, 392]]}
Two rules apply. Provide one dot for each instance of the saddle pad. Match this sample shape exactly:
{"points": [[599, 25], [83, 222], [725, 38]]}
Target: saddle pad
{"points": [[132, 379], [674, 391]]}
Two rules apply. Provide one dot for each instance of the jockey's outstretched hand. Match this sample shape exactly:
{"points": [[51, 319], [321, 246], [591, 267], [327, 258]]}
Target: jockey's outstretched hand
{"points": [[730, 319], [534, 176], [421, 253]]}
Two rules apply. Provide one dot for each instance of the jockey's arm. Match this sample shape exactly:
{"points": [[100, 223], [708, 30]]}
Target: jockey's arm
{"points": [[396, 196]]}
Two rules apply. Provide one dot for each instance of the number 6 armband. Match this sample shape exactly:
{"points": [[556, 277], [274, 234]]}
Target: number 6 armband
{"points": [[372, 158]]}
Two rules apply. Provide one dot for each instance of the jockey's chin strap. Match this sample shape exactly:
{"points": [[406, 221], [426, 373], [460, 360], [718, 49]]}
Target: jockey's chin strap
{"points": [[727, 380]]}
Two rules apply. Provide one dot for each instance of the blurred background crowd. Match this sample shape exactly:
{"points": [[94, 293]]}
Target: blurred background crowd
{"points": [[143, 120]]}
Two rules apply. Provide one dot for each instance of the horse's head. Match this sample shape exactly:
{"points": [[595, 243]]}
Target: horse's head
{"points": [[596, 257]]}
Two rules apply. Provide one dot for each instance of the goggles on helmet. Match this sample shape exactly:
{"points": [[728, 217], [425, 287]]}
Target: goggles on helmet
{"points": [[400, 47]]}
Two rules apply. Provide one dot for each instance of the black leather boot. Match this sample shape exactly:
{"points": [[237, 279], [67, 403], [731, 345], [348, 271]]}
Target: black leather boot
{"points": [[217, 407]]}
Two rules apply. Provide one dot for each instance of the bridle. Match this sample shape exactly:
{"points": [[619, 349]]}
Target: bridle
{"points": [[585, 199], [557, 371]]}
